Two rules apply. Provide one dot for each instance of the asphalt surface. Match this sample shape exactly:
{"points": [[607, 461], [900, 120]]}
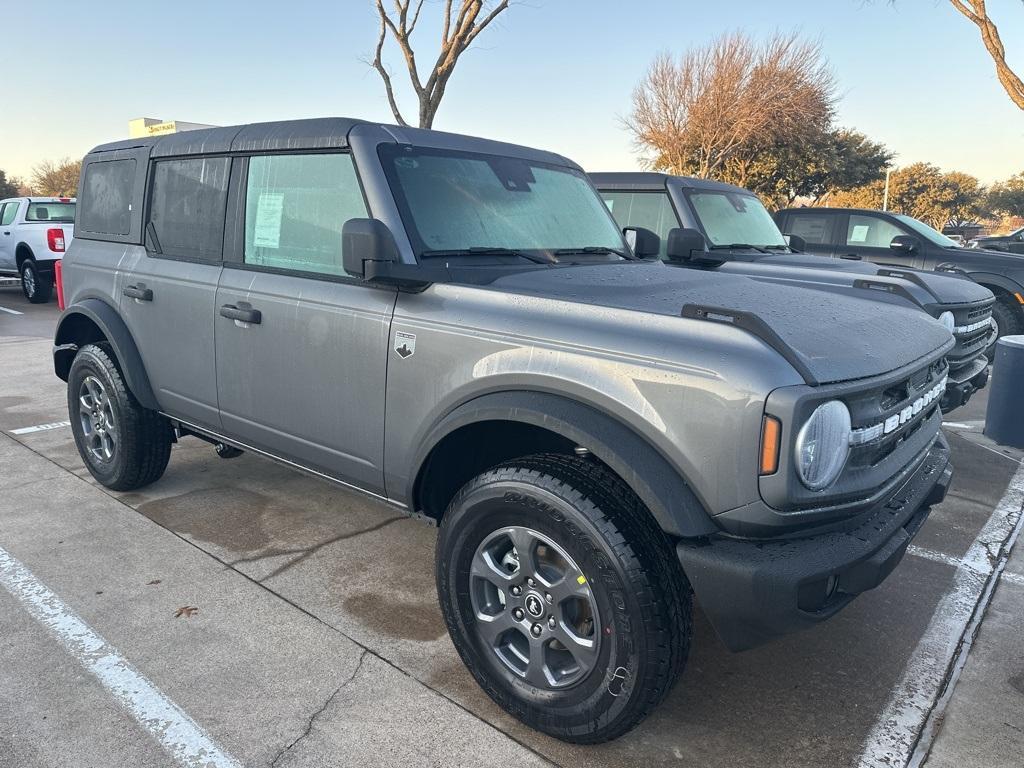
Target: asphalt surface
{"points": [[317, 639]]}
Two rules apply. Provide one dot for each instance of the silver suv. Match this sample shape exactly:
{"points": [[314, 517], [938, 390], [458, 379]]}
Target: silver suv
{"points": [[458, 327]]}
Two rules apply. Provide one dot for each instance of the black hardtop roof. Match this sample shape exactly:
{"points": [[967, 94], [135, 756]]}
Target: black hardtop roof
{"points": [[315, 133], [648, 180]]}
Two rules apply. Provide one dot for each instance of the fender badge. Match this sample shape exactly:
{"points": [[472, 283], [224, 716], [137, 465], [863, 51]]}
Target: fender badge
{"points": [[405, 344]]}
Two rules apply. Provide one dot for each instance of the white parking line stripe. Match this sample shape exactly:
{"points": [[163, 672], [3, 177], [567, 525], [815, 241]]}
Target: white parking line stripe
{"points": [[162, 718], [11, 311], [41, 427], [930, 673], [941, 557]]}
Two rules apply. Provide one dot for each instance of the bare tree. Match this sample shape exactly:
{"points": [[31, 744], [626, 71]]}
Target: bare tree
{"points": [[976, 12], [56, 179], [725, 103], [461, 24]]}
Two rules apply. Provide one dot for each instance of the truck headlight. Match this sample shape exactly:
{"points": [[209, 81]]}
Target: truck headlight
{"points": [[823, 445], [946, 318]]}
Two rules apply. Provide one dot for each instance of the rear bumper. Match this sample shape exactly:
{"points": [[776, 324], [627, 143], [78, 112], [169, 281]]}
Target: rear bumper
{"points": [[964, 382], [754, 591]]}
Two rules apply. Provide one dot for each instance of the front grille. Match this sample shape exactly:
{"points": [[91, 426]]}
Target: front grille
{"points": [[972, 330], [885, 418]]}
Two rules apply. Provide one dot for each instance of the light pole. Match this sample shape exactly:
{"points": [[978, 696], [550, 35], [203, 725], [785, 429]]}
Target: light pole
{"points": [[885, 194]]}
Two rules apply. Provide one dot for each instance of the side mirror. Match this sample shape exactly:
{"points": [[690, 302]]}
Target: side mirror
{"points": [[364, 240], [682, 242], [903, 244], [644, 242], [796, 243]]}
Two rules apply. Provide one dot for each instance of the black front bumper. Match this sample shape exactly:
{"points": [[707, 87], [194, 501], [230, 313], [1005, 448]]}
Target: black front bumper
{"points": [[754, 591], [964, 382]]}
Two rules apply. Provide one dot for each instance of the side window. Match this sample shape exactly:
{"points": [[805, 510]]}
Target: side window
{"points": [[812, 227], [8, 212], [106, 197], [651, 210], [295, 208], [870, 232], [186, 207]]}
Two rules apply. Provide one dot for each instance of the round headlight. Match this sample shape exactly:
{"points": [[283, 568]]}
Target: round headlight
{"points": [[946, 318], [823, 445]]}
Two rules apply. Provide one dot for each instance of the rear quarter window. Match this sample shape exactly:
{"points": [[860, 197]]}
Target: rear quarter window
{"points": [[105, 200]]}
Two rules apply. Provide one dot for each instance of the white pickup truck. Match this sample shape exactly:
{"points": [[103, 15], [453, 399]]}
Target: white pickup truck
{"points": [[34, 231]]}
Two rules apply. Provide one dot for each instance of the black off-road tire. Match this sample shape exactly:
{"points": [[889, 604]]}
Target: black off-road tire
{"points": [[142, 438], [37, 287], [643, 597], [1009, 316]]}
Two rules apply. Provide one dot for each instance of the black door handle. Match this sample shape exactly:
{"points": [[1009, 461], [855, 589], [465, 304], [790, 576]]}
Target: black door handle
{"points": [[139, 291], [242, 311]]}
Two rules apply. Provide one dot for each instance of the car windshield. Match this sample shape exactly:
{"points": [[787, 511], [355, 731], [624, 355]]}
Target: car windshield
{"points": [[735, 218], [479, 205], [927, 232], [60, 212]]}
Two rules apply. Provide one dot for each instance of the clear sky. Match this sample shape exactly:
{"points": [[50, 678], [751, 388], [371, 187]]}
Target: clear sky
{"points": [[555, 74]]}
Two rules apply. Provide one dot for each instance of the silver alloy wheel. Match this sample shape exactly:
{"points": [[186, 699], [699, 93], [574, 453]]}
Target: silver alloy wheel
{"points": [[534, 608], [28, 279], [96, 415]]}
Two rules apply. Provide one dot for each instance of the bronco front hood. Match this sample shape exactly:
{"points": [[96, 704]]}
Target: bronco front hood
{"points": [[834, 337]]}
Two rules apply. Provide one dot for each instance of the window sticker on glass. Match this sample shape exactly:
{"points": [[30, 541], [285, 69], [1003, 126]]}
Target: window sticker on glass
{"points": [[859, 233], [268, 220]]}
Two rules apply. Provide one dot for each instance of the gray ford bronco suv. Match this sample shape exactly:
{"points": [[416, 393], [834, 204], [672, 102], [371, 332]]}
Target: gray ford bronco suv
{"points": [[458, 327], [706, 224]]}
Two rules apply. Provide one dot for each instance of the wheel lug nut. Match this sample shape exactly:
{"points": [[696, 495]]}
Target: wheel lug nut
{"points": [[547, 596], [517, 590], [517, 614], [531, 582], [551, 622], [536, 629]]}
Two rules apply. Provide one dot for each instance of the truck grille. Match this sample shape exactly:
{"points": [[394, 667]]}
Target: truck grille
{"points": [[972, 332]]}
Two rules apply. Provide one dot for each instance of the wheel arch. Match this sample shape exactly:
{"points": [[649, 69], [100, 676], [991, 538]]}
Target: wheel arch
{"points": [[500, 426], [22, 253], [90, 321], [996, 283]]}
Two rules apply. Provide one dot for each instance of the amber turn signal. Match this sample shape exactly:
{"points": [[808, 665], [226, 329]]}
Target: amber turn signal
{"points": [[771, 431]]}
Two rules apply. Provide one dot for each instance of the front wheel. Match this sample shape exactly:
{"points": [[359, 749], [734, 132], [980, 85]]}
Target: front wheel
{"points": [[124, 446], [563, 597], [1008, 315], [37, 287]]}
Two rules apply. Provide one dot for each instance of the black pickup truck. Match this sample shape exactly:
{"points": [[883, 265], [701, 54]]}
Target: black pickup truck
{"points": [[710, 225]]}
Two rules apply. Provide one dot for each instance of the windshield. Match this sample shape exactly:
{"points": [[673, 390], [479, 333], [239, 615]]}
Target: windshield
{"points": [[734, 217], [456, 201], [927, 232], [63, 213]]}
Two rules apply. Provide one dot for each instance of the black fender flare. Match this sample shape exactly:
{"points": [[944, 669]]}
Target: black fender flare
{"points": [[1008, 285], [120, 339], [640, 465]]}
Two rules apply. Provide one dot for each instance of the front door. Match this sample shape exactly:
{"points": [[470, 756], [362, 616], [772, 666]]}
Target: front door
{"points": [[169, 288], [868, 237], [302, 349]]}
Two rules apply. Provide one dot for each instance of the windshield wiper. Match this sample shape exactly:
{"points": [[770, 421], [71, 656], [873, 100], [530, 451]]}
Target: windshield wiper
{"points": [[737, 247], [776, 248], [596, 249], [485, 251]]}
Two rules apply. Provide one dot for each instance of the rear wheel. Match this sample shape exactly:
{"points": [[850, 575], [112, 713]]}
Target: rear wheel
{"points": [[124, 446], [36, 286], [563, 597]]}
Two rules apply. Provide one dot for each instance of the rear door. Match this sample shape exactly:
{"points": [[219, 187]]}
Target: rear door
{"points": [[8, 234], [302, 347], [867, 236], [817, 228], [170, 288]]}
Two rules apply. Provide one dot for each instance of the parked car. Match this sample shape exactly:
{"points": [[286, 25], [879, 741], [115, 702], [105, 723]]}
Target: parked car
{"points": [[457, 327], [709, 225], [34, 232], [1011, 243], [902, 241]]}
